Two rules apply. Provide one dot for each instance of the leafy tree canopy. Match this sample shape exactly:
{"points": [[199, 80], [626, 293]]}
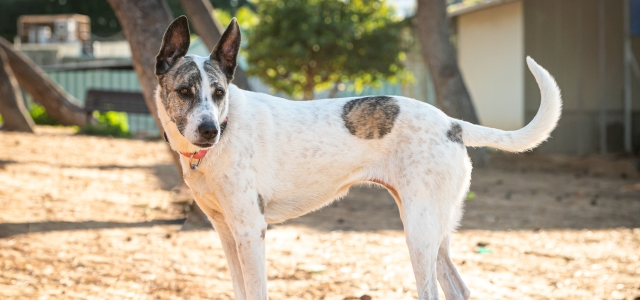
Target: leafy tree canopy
{"points": [[103, 20], [299, 46]]}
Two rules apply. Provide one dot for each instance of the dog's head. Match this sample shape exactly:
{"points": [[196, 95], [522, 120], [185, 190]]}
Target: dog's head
{"points": [[193, 89]]}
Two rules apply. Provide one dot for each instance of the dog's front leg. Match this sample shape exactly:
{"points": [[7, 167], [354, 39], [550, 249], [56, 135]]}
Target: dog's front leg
{"points": [[247, 224], [231, 252]]}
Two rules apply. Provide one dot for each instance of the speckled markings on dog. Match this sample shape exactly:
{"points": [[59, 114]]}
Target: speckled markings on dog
{"points": [[455, 133]]}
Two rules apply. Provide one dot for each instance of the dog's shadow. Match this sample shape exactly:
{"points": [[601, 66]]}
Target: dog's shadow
{"points": [[368, 208], [365, 208]]}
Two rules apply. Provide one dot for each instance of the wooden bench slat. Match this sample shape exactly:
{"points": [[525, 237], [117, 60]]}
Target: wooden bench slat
{"points": [[109, 100]]}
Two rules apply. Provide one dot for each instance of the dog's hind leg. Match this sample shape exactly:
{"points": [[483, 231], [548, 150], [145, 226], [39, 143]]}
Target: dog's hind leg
{"points": [[231, 252], [430, 208], [448, 276], [424, 230]]}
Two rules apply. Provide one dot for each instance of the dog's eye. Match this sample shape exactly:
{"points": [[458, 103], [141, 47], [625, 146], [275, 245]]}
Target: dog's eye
{"points": [[219, 93], [184, 91]]}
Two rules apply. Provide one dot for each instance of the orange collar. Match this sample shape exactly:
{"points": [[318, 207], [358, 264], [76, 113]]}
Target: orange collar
{"points": [[196, 155]]}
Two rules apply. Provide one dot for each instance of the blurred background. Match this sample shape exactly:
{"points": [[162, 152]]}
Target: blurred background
{"points": [[93, 202]]}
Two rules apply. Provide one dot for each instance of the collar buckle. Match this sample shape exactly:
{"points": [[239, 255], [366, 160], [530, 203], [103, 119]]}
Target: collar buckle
{"points": [[191, 164]]}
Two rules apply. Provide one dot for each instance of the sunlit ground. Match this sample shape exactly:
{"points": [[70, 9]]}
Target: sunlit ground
{"points": [[97, 218]]}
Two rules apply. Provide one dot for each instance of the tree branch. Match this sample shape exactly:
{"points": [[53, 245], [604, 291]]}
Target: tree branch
{"points": [[59, 104], [15, 116]]}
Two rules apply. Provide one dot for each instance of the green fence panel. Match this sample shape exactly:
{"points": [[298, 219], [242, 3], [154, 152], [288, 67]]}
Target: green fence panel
{"points": [[77, 83]]}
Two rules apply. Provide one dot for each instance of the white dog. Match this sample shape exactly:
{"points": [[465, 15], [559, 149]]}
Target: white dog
{"points": [[251, 159]]}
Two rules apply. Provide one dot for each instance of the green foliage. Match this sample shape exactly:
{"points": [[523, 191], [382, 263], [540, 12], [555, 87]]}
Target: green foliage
{"points": [[245, 15], [471, 196], [108, 124], [40, 116], [230, 7], [304, 45], [103, 19]]}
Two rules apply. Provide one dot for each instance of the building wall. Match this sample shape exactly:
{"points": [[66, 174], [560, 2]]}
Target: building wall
{"points": [[115, 49], [51, 53], [491, 57], [564, 37]]}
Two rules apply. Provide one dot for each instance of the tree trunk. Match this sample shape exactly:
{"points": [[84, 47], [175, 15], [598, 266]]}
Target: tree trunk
{"points": [[438, 52], [208, 28], [308, 86], [334, 90], [15, 116], [308, 94], [143, 24], [60, 105], [200, 14]]}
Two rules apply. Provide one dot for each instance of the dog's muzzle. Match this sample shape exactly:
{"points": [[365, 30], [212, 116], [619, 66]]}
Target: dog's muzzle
{"points": [[208, 130]]}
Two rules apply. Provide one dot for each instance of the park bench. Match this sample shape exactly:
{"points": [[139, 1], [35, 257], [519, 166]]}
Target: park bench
{"points": [[110, 100]]}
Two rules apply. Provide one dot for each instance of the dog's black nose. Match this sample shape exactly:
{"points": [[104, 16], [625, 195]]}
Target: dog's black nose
{"points": [[208, 130]]}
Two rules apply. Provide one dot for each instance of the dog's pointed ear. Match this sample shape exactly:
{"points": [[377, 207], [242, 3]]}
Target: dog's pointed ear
{"points": [[175, 45], [226, 51]]}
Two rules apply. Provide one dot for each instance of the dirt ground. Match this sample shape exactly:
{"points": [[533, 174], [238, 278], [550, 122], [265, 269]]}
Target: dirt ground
{"points": [[99, 218]]}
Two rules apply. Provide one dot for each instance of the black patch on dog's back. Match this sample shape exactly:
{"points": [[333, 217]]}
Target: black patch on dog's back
{"points": [[454, 133], [370, 117], [261, 204]]}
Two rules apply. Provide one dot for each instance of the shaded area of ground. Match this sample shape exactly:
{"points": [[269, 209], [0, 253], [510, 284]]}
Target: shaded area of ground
{"points": [[91, 218], [505, 200], [9, 229]]}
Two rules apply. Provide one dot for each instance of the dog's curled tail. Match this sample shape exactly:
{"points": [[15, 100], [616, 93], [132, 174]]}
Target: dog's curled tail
{"points": [[530, 136]]}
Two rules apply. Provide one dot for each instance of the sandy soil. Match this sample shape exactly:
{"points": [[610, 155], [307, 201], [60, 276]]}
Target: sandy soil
{"points": [[99, 218]]}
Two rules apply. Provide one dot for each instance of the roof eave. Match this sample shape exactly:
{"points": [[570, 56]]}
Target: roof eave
{"points": [[462, 8]]}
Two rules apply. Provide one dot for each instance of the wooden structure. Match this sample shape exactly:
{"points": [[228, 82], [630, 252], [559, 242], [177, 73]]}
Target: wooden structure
{"points": [[44, 29], [110, 100]]}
